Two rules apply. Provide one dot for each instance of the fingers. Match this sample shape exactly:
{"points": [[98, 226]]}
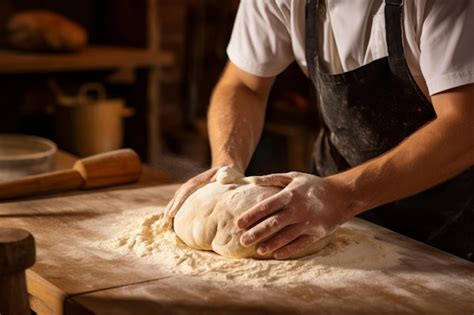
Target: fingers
{"points": [[295, 247], [167, 219], [282, 238], [182, 194], [264, 209], [267, 228], [276, 180]]}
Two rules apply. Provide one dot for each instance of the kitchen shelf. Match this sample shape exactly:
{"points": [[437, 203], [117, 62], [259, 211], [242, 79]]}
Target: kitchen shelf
{"points": [[90, 58], [120, 59]]}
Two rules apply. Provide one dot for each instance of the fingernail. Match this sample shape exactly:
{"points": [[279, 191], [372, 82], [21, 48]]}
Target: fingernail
{"points": [[240, 224], [262, 250], [246, 240]]}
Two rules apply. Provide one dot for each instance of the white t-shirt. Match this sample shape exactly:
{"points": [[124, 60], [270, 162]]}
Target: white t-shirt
{"points": [[269, 35]]}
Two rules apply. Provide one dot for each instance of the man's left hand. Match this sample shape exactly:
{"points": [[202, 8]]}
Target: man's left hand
{"points": [[307, 209]]}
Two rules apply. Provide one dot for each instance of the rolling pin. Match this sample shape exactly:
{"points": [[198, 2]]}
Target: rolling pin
{"points": [[101, 170]]}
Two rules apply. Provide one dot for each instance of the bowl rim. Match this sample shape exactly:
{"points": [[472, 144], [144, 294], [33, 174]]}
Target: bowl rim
{"points": [[29, 156]]}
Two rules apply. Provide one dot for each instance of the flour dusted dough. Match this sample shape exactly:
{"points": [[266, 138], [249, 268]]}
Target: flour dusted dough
{"points": [[206, 219]]}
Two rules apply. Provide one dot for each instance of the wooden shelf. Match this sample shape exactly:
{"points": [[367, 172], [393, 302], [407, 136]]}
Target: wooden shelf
{"points": [[91, 58]]}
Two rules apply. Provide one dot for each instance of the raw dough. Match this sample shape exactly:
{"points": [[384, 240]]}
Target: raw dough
{"points": [[206, 219]]}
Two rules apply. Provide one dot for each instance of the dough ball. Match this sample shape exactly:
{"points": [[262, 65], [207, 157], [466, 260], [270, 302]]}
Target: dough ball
{"points": [[206, 219]]}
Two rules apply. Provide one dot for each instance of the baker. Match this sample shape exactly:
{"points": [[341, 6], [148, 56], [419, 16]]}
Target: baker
{"points": [[395, 93]]}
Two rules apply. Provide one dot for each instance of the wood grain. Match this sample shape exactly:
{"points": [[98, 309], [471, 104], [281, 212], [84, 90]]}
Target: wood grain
{"points": [[72, 276], [427, 281]]}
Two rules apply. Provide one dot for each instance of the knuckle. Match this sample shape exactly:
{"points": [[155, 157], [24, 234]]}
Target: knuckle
{"points": [[264, 206], [289, 197], [273, 223], [261, 230]]}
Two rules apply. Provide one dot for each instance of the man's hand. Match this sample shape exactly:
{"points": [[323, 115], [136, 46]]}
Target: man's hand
{"points": [[304, 211], [224, 175]]}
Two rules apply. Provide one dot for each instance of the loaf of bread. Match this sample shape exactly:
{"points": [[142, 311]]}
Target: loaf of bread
{"points": [[40, 30]]}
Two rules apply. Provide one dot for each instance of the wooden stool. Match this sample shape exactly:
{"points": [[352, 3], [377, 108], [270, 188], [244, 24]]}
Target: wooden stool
{"points": [[17, 253]]}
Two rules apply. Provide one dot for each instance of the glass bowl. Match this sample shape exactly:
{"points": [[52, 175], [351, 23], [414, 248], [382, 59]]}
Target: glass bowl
{"points": [[22, 155]]}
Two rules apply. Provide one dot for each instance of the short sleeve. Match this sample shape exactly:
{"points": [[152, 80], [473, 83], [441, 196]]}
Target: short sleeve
{"points": [[447, 44], [260, 43]]}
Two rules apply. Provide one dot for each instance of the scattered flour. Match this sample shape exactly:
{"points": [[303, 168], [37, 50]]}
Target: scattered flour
{"points": [[351, 253]]}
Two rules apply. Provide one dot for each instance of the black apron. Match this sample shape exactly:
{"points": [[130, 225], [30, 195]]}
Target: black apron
{"points": [[369, 110]]}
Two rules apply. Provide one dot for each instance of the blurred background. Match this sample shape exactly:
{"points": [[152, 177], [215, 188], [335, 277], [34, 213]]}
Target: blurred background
{"points": [[93, 76]]}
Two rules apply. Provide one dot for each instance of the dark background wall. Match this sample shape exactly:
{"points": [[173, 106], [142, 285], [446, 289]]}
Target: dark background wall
{"points": [[197, 32]]}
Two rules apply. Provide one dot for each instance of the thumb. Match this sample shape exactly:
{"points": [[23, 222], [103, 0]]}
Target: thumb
{"points": [[186, 190], [227, 175], [275, 180]]}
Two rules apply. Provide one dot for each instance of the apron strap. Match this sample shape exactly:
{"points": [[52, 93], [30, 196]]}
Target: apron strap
{"points": [[393, 28], [394, 38], [312, 58]]}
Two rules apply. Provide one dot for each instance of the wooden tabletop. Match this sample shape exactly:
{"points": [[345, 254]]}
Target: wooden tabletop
{"points": [[72, 277]]}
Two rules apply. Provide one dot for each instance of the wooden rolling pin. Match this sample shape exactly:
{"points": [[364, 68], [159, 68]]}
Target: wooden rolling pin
{"points": [[17, 253], [101, 170]]}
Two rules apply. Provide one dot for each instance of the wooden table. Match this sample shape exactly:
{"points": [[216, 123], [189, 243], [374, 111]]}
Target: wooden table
{"points": [[71, 277]]}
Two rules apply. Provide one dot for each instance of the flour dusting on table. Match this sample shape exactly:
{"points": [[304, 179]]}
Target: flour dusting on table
{"points": [[351, 253]]}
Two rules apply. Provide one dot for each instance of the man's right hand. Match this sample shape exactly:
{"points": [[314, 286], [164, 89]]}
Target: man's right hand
{"points": [[222, 174]]}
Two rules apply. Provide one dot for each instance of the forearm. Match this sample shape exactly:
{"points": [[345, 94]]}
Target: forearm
{"points": [[438, 151], [235, 118]]}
